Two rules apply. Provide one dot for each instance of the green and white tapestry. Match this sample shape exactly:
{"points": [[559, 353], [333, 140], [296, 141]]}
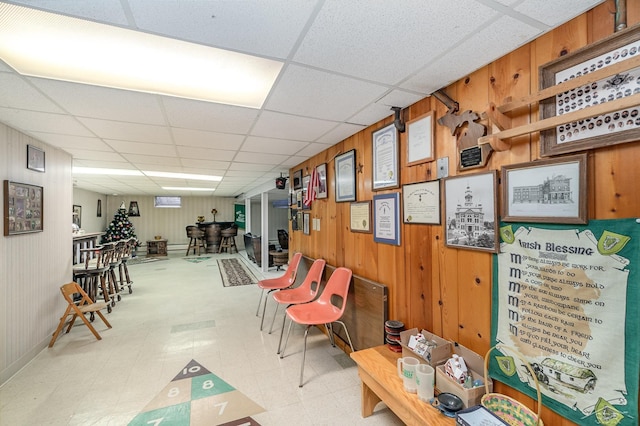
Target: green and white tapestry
{"points": [[565, 299]]}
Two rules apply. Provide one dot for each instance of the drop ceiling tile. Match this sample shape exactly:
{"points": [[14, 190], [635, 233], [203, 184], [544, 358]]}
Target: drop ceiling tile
{"points": [[314, 93], [399, 98], [106, 103], [84, 154], [264, 28], [42, 122], [86, 162], [188, 152], [284, 126], [242, 175], [293, 161], [69, 141], [555, 13], [273, 146], [311, 150], [262, 158], [15, 92], [209, 116], [126, 131], [104, 11], [340, 133], [144, 161], [346, 37], [250, 166], [486, 46], [204, 139], [371, 114], [127, 147]]}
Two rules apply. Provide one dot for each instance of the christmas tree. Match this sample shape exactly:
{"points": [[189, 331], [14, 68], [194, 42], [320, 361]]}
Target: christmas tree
{"points": [[120, 228]]}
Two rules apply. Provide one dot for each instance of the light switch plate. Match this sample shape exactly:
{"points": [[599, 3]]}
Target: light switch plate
{"points": [[443, 167]]}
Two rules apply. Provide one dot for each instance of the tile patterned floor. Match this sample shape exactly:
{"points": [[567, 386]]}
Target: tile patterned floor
{"points": [[180, 311]]}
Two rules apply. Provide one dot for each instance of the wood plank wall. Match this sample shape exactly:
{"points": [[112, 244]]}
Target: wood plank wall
{"points": [[448, 291]]}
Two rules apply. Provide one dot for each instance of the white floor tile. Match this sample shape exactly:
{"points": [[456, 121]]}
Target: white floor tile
{"points": [[180, 311]]}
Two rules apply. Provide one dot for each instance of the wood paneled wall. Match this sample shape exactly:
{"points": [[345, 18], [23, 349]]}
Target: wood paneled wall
{"points": [[448, 291]]}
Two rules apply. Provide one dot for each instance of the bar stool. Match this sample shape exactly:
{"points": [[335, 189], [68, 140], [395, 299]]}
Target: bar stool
{"points": [[228, 240], [197, 237], [93, 272], [130, 245]]}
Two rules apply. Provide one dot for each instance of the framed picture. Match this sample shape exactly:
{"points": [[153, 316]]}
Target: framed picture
{"points": [[386, 218], [133, 209], [323, 190], [420, 139], [552, 191], [297, 179], [360, 216], [303, 191], [471, 211], [421, 202], [306, 219], [293, 217], [77, 215], [600, 130], [345, 169], [23, 208], [35, 158], [99, 210], [385, 158]]}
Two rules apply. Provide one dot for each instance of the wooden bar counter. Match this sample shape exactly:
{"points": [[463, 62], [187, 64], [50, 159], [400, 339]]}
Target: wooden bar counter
{"points": [[380, 382]]}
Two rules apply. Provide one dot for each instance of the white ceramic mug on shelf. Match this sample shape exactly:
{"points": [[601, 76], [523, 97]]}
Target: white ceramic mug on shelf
{"points": [[425, 381], [407, 371]]}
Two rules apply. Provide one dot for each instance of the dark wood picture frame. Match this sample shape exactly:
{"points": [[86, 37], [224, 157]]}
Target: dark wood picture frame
{"points": [[471, 194], [99, 209], [345, 172], [77, 215], [297, 179], [23, 208], [601, 130], [134, 211], [547, 191], [35, 159], [323, 188]]}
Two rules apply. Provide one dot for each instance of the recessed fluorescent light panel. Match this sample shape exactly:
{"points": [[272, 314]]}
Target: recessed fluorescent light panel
{"points": [[47, 45]]}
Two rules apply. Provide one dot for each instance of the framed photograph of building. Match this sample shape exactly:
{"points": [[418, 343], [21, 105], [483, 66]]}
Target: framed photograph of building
{"points": [[551, 191], [606, 73], [471, 211]]}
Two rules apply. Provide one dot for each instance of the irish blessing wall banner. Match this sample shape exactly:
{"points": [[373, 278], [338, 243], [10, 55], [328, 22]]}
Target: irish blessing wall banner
{"points": [[565, 299]]}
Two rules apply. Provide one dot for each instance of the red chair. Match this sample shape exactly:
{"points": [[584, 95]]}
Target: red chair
{"points": [[304, 293], [280, 283], [327, 309]]}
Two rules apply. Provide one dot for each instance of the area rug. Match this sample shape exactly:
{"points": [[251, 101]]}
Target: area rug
{"points": [[141, 259], [197, 397], [197, 259], [235, 272]]}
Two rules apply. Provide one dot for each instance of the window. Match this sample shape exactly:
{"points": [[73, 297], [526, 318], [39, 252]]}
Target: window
{"points": [[167, 202]]}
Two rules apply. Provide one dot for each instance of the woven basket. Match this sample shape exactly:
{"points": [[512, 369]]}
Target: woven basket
{"points": [[513, 412]]}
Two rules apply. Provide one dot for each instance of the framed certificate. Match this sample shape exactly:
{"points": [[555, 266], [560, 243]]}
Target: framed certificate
{"points": [[386, 218], [385, 158], [421, 202], [420, 139], [346, 176], [361, 216]]}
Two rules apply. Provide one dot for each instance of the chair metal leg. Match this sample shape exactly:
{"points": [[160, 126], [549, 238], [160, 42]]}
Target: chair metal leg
{"points": [[304, 354], [284, 320], [347, 333], [259, 303], [273, 320], [264, 308], [286, 340]]}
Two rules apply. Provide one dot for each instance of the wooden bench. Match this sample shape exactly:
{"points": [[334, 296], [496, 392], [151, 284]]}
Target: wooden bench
{"points": [[380, 382]]}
